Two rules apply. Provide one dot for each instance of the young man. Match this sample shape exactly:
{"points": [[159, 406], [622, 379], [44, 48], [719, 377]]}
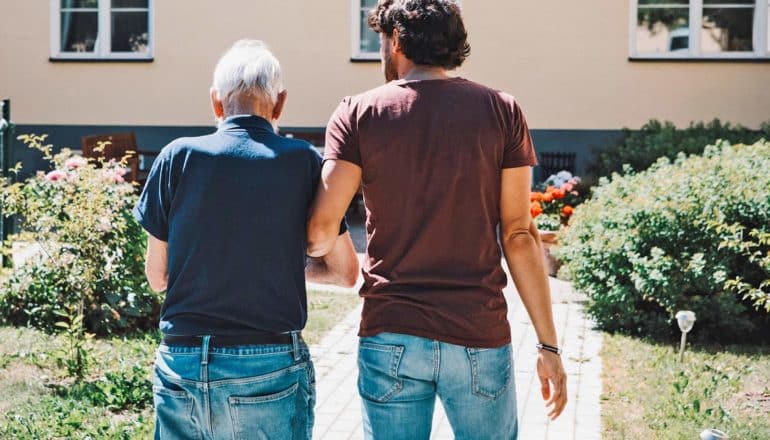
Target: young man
{"points": [[226, 216], [443, 162]]}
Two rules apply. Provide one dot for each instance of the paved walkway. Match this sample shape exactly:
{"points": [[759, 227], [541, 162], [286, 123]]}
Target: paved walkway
{"points": [[338, 412]]}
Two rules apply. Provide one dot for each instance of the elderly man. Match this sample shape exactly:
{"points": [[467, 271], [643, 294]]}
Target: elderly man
{"points": [[226, 216], [444, 162]]}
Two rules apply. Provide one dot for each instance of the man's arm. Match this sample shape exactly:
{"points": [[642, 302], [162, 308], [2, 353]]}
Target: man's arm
{"points": [[156, 263], [340, 266], [339, 182], [523, 254]]}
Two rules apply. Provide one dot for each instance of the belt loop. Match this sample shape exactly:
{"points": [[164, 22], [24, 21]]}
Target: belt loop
{"points": [[205, 350], [295, 345]]}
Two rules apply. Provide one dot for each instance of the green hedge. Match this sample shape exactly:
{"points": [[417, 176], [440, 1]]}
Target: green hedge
{"points": [[693, 234], [641, 148]]}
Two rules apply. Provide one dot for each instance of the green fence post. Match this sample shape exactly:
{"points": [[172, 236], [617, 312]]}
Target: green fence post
{"points": [[6, 158]]}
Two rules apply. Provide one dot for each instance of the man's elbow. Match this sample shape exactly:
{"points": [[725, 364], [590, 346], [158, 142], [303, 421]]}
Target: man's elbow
{"points": [[350, 278], [514, 235]]}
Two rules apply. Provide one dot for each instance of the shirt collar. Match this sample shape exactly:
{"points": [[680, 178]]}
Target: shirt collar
{"points": [[246, 122]]}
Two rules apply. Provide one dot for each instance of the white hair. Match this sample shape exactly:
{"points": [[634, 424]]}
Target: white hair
{"points": [[247, 71]]}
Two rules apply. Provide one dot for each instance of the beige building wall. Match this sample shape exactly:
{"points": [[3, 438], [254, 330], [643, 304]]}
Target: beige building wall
{"points": [[566, 61]]}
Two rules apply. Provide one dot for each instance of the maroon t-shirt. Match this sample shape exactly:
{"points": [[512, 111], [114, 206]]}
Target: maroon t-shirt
{"points": [[431, 153]]}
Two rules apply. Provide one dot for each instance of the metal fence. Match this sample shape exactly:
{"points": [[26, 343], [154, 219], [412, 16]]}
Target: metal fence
{"points": [[6, 162]]}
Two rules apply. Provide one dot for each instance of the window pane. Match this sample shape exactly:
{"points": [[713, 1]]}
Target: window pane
{"points": [[370, 40], [728, 2], [130, 32], [661, 30], [727, 30], [79, 31], [129, 4], [79, 4], [368, 4]]}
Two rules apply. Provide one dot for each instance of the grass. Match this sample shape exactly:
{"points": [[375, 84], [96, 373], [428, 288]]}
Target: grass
{"points": [[648, 394], [38, 401]]}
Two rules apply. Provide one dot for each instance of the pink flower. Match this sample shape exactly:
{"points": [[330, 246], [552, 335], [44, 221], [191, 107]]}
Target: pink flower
{"points": [[567, 187], [114, 175], [55, 175], [75, 162]]}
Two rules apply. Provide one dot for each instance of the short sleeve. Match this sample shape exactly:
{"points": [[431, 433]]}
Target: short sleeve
{"points": [[342, 135], [519, 150], [153, 207]]}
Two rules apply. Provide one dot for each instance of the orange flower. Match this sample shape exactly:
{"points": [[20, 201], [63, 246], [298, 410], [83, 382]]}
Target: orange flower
{"points": [[535, 196], [535, 209], [559, 194], [547, 197], [567, 211]]}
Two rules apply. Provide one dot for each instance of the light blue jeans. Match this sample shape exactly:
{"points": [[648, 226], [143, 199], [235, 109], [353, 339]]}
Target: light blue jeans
{"points": [[247, 392], [401, 375]]}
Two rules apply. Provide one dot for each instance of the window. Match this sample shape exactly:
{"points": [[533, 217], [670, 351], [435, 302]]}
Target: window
{"points": [[366, 42], [101, 29], [699, 29]]}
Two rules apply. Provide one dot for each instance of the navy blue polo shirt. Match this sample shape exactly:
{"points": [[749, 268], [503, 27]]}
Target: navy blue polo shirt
{"points": [[233, 208]]}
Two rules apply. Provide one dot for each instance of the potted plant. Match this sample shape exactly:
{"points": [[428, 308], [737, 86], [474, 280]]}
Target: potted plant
{"points": [[552, 204]]}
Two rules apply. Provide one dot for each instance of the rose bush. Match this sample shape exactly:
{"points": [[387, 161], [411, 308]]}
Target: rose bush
{"points": [[693, 234], [91, 250], [552, 203]]}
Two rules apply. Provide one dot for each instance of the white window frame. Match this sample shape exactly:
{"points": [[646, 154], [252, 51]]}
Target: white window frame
{"points": [[355, 33], [760, 37], [103, 45]]}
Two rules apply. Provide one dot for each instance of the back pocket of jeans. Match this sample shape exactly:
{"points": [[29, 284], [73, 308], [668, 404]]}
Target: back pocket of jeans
{"points": [[272, 416], [378, 371], [174, 413], [490, 370]]}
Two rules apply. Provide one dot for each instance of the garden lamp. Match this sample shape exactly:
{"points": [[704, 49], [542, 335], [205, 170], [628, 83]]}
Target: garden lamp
{"points": [[685, 319], [713, 434]]}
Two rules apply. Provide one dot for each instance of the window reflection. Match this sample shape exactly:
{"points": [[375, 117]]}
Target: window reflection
{"points": [[661, 30], [727, 30], [369, 40]]}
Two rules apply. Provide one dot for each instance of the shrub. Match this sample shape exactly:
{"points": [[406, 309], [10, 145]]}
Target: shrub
{"points": [[686, 235], [641, 148], [91, 258]]}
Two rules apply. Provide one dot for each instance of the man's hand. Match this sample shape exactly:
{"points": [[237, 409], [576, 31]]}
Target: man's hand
{"points": [[339, 266], [553, 382]]}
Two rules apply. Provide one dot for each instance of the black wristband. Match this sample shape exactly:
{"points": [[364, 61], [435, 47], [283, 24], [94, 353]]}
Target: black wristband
{"points": [[551, 348]]}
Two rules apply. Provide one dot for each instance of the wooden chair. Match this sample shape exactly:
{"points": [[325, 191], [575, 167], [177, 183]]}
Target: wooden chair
{"points": [[120, 145]]}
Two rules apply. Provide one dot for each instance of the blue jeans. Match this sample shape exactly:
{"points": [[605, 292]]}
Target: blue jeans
{"points": [[247, 392], [401, 375]]}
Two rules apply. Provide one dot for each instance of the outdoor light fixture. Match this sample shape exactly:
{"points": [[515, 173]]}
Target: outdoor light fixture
{"points": [[685, 319], [713, 434]]}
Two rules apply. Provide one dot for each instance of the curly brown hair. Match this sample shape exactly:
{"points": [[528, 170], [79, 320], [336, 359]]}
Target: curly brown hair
{"points": [[430, 32]]}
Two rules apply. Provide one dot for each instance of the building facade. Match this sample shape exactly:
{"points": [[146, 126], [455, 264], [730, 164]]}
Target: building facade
{"points": [[581, 70]]}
